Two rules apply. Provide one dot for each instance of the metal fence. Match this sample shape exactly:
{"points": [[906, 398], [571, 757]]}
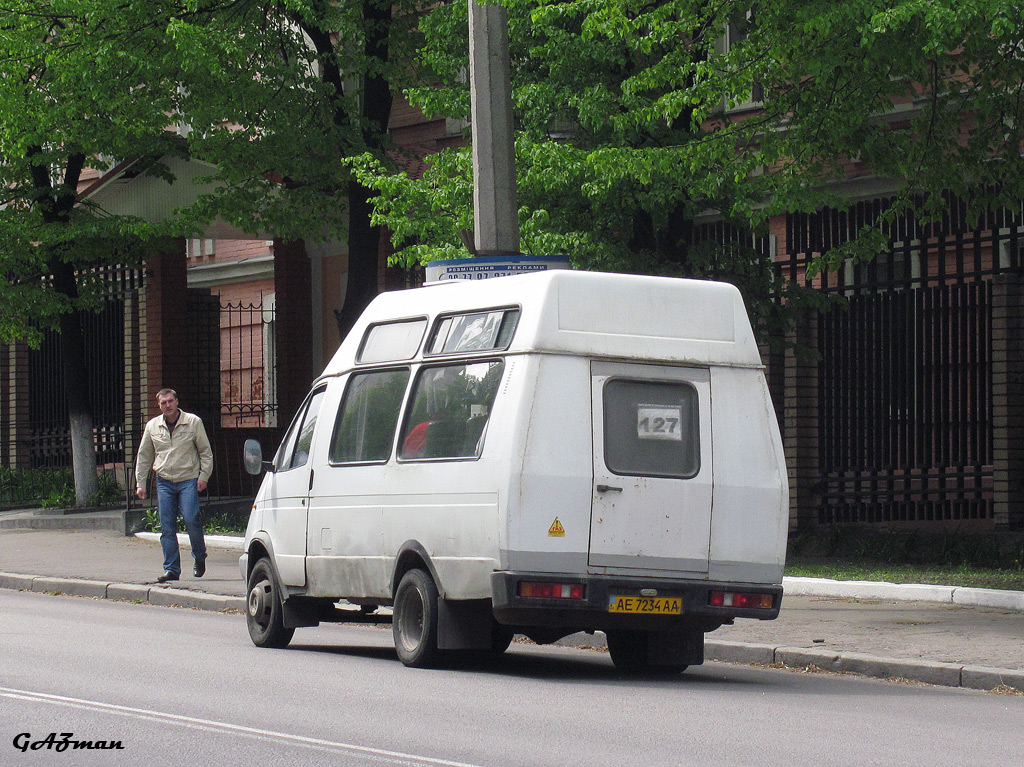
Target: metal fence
{"points": [[231, 374], [248, 388], [47, 432], [905, 378]]}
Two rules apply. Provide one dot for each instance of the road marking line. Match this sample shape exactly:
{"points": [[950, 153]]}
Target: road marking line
{"points": [[212, 725]]}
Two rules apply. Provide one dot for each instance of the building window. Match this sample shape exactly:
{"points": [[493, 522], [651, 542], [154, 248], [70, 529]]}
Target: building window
{"points": [[737, 30]]}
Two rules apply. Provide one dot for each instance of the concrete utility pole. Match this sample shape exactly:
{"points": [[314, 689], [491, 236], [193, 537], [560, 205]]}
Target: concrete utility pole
{"points": [[495, 201]]}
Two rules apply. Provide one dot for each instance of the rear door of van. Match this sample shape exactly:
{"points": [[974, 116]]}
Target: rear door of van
{"points": [[653, 473]]}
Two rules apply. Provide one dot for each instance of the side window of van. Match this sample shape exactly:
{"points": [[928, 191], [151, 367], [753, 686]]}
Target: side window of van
{"points": [[365, 427], [300, 439], [651, 429], [449, 410], [392, 341], [474, 332]]}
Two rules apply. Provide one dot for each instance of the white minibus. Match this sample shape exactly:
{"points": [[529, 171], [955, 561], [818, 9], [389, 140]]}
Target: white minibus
{"points": [[541, 454]]}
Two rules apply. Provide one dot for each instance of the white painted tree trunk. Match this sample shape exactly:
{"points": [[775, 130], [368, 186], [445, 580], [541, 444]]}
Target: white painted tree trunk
{"points": [[83, 457]]}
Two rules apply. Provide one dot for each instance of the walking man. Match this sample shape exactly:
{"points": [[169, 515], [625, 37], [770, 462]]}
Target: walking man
{"points": [[176, 447]]}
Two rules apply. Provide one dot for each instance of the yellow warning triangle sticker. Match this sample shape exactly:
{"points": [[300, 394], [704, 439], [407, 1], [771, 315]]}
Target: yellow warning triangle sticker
{"points": [[556, 530]]}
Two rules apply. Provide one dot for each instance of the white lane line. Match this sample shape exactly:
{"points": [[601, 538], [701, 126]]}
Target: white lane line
{"points": [[396, 757]]}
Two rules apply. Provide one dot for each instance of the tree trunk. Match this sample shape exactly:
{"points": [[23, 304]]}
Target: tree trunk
{"points": [[55, 203], [364, 238], [363, 259], [76, 388]]}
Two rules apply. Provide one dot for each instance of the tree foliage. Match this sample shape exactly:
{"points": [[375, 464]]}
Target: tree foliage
{"points": [[270, 95], [636, 120]]}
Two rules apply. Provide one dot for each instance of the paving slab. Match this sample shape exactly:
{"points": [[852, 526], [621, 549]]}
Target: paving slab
{"points": [[106, 555]]}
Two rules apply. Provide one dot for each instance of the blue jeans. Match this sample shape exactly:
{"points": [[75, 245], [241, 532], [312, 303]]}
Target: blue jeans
{"points": [[171, 498]]}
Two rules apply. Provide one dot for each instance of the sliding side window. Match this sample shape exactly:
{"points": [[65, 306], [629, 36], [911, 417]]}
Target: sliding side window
{"points": [[449, 410], [365, 428]]}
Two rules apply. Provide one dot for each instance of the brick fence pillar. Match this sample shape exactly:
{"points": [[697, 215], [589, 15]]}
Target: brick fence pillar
{"points": [[800, 432], [293, 321], [136, 408], [164, 336], [1008, 401]]}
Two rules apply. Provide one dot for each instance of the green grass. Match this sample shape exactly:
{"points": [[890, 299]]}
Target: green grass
{"points": [[53, 488], [218, 524], [943, 575]]}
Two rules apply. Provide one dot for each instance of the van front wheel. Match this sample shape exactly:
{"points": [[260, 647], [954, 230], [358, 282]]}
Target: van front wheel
{"points": [[264, 613], [414, 623]]}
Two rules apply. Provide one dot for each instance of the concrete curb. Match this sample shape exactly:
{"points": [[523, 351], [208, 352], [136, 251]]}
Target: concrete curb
{"points": [[792, 586], [915, 670], [903, 592], [229, 542], [163, 596]]}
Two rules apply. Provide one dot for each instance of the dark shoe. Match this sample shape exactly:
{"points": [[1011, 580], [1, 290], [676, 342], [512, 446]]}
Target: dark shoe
{"points": [[167, 577], [199, 570]]}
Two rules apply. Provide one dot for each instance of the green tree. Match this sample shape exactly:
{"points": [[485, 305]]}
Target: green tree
{"points": [[270, 96], [65, 110], [319, 94], [636, 118]]}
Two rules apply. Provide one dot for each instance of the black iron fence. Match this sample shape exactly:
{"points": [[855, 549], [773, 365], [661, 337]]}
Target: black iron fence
{"points": [[248, 380], [905, 378], [231, 375], [905, 406]]}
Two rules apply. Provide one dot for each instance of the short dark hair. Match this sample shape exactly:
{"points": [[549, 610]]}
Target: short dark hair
{"points": [[165, 392]]}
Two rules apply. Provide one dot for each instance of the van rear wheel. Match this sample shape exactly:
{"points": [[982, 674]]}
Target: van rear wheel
{"points": [[414, 622], [264, 611], [630, 652]]}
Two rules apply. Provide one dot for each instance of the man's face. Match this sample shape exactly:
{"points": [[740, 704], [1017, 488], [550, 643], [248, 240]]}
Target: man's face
{"points": [[168, 405]]}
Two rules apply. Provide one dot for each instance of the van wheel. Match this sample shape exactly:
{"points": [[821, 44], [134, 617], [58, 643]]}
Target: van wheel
{"points": [[264, 612], [630, 654], [501, 637], [414, 623]]}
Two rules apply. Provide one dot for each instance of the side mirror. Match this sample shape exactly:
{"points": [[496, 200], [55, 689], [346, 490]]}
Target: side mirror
{"points": [[252, 457]]}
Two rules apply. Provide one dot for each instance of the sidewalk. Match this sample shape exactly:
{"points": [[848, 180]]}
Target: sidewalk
{"points": [[873, 629]]}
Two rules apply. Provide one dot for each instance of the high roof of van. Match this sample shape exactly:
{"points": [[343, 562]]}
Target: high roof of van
{"points": [[660, 319]]}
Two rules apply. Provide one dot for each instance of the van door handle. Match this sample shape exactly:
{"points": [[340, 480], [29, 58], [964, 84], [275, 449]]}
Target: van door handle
{"points": [[608, 489]]}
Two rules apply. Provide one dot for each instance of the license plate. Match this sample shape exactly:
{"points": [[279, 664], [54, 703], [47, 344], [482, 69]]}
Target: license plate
{"points": [[645, 605]]}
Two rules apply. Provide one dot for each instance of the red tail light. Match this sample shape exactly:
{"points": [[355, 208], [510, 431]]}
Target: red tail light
{"points": [[551, 590], [740, 599]]}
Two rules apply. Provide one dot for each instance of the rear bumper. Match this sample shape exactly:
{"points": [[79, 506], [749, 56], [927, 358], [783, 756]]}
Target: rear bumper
{"points": [[591, 612]]}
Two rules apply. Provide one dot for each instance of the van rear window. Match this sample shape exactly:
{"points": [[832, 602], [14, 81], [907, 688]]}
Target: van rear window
{"points": [[473, 332], [392, 341], [651, 429]]}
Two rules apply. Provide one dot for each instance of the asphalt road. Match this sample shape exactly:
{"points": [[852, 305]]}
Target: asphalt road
{"points": [[181, 687]]}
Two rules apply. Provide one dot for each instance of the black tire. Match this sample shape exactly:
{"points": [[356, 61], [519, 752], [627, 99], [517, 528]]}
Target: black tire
{"points": [[501, 637], [264, 612], [414, 623], [629, 651]]}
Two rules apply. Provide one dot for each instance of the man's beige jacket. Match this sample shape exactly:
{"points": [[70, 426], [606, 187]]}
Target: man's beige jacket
{"points": [[185, 454]]}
